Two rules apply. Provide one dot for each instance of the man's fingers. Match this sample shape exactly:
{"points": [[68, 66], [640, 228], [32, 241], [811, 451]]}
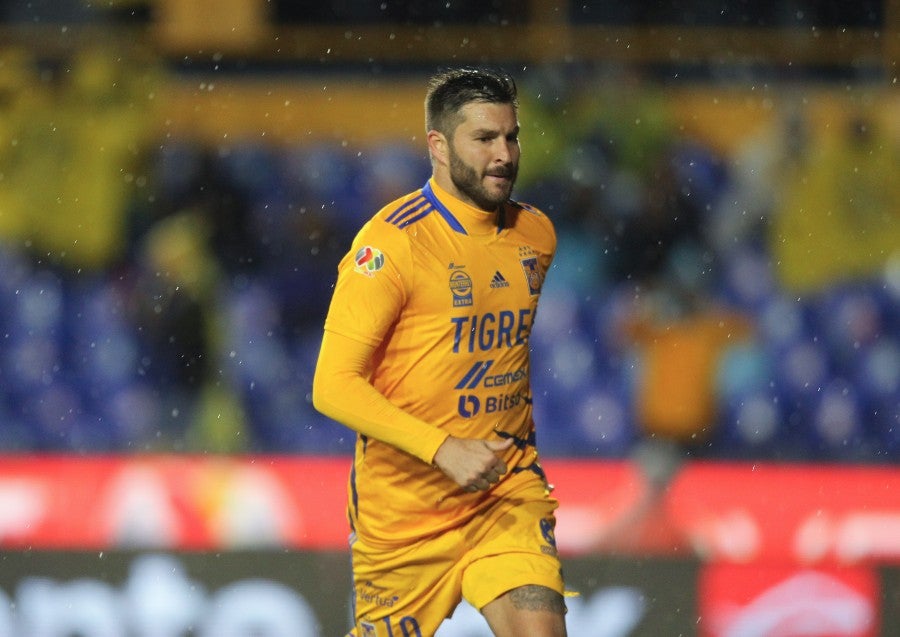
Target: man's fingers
{"points": [[488, 465], [478, 485], [495, 446], [499, 445], [485, 481]]}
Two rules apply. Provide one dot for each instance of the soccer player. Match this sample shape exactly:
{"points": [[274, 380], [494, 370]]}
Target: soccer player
{"points": [[425, 355]]}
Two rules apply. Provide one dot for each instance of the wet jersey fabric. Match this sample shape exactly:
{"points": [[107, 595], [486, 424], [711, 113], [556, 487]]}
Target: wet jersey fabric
{"points": [[446, 294]]}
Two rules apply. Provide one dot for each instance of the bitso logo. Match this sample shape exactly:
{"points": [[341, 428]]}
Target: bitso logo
{"points": [[469, 406], [368, 260], [461, 288]]}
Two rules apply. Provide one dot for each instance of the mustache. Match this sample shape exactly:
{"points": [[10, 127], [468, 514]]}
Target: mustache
{"points": [[507, 171]]}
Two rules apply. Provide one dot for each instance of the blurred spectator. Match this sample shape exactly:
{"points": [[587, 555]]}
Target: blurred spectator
{"points": [[680, 337], [669, 221], [838, 219], [225, 211], [221, 207], [69, 159], [759, 168], [173, 294]]}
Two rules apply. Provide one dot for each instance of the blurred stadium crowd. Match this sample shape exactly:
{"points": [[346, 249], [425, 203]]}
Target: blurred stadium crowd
{"points": [[161, 294]]}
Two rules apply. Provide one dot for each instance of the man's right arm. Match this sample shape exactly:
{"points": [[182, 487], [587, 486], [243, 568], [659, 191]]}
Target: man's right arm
{"points": [[342, 392]]}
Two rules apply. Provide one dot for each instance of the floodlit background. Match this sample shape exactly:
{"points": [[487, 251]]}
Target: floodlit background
{"points": [[179, 178]]}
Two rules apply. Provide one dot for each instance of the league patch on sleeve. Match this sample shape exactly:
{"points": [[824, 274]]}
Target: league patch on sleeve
{"points": [[368, 260]]}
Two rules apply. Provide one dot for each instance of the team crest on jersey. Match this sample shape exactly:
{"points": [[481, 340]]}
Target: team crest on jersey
{"points": [[460, 288], [548, 532], [533, 275], [368, 260]]}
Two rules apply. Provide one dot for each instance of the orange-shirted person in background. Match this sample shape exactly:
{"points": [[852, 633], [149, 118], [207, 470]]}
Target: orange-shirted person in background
{"points": [[679, 358], [426, 356], [678, 337]]}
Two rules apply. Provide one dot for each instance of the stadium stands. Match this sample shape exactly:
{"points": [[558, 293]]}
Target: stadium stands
{"points": [[819, 380]]}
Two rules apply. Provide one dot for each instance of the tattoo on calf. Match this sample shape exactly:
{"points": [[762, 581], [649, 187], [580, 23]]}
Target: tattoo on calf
{"points": [[533, 597]]}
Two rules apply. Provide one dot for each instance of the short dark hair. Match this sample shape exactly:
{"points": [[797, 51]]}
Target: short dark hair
{"points": [[450, 90]]}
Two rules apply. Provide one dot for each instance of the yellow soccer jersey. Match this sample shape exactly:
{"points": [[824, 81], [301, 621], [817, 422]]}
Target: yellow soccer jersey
{"points": [[447, 295]]}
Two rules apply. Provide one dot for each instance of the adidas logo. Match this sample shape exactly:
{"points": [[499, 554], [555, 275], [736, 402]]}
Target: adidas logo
{"points": [[498, 281]]}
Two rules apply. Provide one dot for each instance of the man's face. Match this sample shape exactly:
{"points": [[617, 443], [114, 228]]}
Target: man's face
{"points": [[484, 154]]}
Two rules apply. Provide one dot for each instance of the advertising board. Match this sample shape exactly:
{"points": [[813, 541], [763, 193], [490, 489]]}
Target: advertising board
{"points": [[189, 545]]}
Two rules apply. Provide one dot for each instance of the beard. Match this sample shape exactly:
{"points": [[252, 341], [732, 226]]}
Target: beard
{"points": [[471, 184]]}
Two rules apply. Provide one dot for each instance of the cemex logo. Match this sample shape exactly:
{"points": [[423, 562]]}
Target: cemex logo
{"points": [[781, 601]]}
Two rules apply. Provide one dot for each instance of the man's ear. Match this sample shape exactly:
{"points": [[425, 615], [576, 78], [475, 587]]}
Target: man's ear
{"points": [[438, 147]]}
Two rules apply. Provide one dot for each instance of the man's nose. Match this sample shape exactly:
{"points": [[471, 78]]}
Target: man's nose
{"points": [[503, 151]]}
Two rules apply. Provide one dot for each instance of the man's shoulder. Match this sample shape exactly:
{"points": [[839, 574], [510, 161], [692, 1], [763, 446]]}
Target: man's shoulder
{"points": [[403, 210], [530, 221], [386, 227], [532, 211], [404, 218]]}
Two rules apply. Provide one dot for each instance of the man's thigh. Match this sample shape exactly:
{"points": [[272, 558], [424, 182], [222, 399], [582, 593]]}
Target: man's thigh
{"points": [[406, 591], [527, 610], [410, 590], [515, 546]]}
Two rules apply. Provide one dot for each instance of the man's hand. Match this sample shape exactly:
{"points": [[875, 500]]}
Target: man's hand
{"points": [[472, 463]]}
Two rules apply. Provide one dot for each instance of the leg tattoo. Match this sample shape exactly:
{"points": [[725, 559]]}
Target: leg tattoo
{"points": [[533, 597]]}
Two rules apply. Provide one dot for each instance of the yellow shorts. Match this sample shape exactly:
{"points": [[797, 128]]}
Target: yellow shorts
{"points": [[408, 591]]}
